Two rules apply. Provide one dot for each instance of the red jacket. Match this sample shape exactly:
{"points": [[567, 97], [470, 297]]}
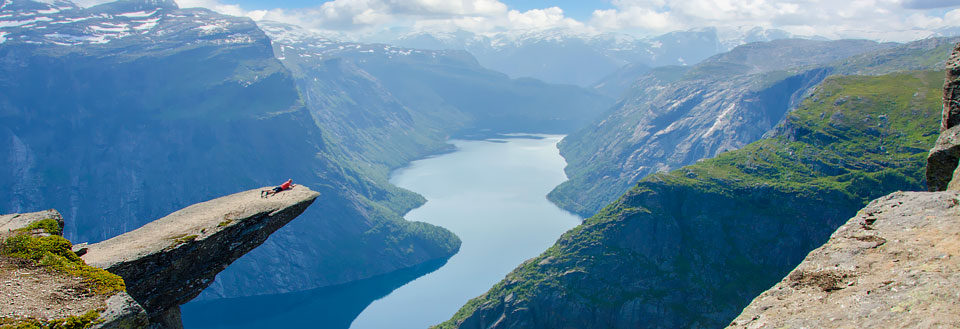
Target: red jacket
{"points": [[286, 185]]}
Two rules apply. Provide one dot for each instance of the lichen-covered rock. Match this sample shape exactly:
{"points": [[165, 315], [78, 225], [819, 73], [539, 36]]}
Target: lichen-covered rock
{"points": [[895, 265], [12, 222], [31, 290], [171, 260]]}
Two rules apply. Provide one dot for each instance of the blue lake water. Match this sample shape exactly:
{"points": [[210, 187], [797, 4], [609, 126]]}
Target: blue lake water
{"points": [[491, 193]]}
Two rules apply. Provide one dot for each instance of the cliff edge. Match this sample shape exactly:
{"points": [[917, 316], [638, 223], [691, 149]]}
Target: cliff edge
{"points": [[38, 270], [894, 265], [169, 261]]}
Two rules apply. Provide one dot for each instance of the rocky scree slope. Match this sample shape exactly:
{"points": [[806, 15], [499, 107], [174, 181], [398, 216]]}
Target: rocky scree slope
{"points": [[123, 112], [692, 247], [43, 282], [895, 264], [675, 116]]}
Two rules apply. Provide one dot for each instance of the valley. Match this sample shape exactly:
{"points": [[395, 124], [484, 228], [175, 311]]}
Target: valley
{"points": [[457, 178]]}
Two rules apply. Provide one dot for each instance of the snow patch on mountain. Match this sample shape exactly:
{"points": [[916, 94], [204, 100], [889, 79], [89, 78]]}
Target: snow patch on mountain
{"points": [[139, 14]]}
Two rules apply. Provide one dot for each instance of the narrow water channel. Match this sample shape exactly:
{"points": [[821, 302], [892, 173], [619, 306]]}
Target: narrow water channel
{"points": [[491, 193]]}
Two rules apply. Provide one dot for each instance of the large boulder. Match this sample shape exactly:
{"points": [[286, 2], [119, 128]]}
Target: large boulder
{"points": [[942, 162]]}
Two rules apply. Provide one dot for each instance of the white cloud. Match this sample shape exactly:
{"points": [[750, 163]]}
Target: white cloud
{"points": [[897, 20]]}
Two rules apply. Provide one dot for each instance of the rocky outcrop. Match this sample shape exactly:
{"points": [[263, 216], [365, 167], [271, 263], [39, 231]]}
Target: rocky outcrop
{"points": [[942, 162], [29, 291], [951, 92], [171, 260], [943, 159], [895, 265], [12, 222]]}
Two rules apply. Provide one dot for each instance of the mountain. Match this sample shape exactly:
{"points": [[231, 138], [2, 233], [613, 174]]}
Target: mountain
{"points": [[893, 264], [617, 83], [674, 116], [444, 89], [121, 113], [564, 56], [692, 247], [419, 97]]}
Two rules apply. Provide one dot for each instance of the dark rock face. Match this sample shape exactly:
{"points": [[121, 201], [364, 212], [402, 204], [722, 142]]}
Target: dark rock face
{"points": [[942, 162], [951, 92], [171, 260]]}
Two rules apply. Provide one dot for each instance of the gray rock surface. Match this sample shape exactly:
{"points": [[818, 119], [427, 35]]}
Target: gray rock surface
{"points": [[895, 265], [943, 159], [12, 222], [122, 313], [171, 260]]}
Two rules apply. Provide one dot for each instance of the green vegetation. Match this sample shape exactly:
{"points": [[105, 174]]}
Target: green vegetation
{"points": [[701, 241], [48, 225], [225, 222], [183, 238], [607, 160], [72, 322], [54, 252]]}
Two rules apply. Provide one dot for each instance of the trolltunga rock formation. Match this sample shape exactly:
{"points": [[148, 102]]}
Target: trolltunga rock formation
{"points": [[169, 261]]}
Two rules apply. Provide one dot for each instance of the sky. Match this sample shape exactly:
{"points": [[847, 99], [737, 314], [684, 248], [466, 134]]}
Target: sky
{"points": [[884, 20]]}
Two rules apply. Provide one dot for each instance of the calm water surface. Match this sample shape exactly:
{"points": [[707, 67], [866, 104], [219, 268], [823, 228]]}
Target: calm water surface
{"points": [[491, 193]]}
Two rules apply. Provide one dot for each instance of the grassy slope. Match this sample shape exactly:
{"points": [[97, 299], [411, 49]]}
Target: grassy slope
{"points": [[594, 182], [855, 139]]}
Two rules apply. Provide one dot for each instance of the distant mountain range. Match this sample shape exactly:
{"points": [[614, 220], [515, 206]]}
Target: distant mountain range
{"points": [[562, 56]]}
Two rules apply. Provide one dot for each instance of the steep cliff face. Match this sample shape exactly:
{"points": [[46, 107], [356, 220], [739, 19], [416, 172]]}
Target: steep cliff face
{"points": [[122, 113], [942, 162], [895, 264], [691, 247], [675, 116]]}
